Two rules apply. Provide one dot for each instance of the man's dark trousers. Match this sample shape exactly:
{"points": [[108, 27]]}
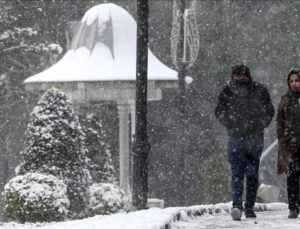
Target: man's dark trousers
{"points": [[244, 156]]}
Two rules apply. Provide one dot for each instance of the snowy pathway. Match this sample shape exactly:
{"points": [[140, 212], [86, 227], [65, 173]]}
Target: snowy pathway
{"points": [[266, 219], [273, 216]]}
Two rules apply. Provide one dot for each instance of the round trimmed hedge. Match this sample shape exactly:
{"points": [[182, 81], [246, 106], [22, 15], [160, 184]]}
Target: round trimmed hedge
{"points": [[107, 199], [36, 197]]}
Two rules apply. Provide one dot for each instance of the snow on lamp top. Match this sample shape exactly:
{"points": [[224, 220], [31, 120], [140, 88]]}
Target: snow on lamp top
{"points": [[104, 49]]}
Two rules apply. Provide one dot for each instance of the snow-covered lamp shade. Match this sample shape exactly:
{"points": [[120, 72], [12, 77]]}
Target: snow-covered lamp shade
{"points": [[104, 49]]}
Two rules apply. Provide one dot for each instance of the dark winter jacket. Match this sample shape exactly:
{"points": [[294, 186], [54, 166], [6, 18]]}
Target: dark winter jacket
{"points": [[284, 155], [245, 109], [287, 126]]}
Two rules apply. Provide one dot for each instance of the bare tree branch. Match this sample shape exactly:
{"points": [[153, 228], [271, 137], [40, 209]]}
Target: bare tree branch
{"points": [[18, 1], [18, 63]]}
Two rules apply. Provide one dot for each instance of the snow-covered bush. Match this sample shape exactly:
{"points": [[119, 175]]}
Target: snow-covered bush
{"points": [[56, 145], [216, 185], [107, 199], [101, 166], [36, 197]]}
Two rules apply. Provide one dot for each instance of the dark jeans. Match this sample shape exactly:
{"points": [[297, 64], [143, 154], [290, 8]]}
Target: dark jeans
{"points": [[293, 182], [244, 156]]}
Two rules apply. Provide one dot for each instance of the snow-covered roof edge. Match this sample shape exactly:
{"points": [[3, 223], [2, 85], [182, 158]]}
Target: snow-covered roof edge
{"points": [[103, 60]]}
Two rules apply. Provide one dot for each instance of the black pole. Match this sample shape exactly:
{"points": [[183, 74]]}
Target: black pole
{"points": [[181, 86], [141, 145], [180, 55]]}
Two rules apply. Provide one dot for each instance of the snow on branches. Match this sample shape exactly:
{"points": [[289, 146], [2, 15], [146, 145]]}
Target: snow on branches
{"points": [[56, 145]]}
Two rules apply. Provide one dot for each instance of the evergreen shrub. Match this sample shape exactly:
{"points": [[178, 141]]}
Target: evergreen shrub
{"points": [[35, 197], [55, 145], [99, 152], [107, 199]]}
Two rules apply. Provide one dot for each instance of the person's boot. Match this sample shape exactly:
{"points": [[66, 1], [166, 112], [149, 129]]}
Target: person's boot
{"points": [[249, 213], [293, 214], [236, 213]]}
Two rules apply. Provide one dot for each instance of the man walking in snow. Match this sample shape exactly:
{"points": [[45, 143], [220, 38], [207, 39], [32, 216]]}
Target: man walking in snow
{"points": [[245, 109]]}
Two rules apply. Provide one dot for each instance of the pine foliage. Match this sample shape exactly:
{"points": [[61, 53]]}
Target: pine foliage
{"points": [[56, 145], [99, 152], [216, 185]]}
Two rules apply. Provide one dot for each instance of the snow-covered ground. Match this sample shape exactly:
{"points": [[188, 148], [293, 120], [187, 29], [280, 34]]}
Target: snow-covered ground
{"points": [[210, 216], [265, 219]]}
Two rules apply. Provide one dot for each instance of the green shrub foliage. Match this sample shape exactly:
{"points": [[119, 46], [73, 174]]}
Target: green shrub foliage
{"points": [[107, 199], [216, 188], [56, 145], [101, 166], [35, 197]]}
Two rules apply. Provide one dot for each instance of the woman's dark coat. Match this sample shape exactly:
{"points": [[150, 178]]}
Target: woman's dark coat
{"points": [[284, 155]]}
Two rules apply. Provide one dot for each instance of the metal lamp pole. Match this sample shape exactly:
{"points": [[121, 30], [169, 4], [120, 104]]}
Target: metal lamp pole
{"points": [[185, 48], [180, 54], [141, 146], [181, 85]]}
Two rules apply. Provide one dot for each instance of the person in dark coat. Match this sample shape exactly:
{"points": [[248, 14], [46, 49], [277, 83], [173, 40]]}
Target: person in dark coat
{"points": [[288, 132], [244, 107]]}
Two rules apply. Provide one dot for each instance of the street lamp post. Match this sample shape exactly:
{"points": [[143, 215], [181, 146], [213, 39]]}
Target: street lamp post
{"points": [[181, 86], [185, 48], [141, 145], [181, 63]]}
